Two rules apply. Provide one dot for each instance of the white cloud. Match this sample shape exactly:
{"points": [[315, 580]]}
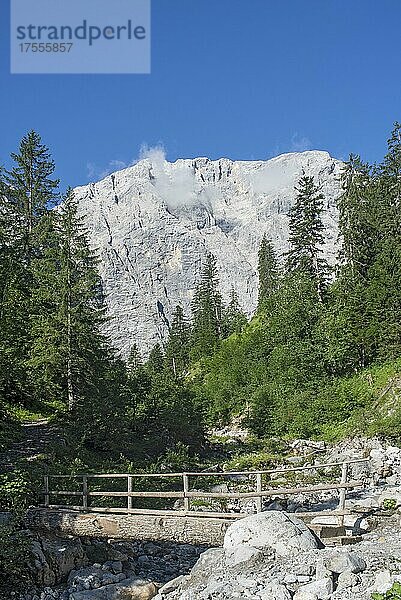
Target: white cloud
{"points": [[157, 155]]}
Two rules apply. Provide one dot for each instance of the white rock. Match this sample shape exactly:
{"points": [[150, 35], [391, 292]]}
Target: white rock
{"points": [[242, 554], [290, 578], [267, 531], [171, 585], [347, 579], [346, 561], [154, 222], [350, 521], [274, 591], [304, 595], [383, 581], [321, 589], [132, 589]]}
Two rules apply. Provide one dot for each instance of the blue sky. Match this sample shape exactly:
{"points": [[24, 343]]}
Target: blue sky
{"points": [[246, 79]]}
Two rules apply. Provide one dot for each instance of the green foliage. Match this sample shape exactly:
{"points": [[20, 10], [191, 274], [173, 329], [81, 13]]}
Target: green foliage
{"points": [[177, 354], [307, 235], [206, 311], [14, 555], [389, 504], [393, 594], [233, 318], [14, 541], [268, 272], [252, 461], [163, 412], [14, 492]]}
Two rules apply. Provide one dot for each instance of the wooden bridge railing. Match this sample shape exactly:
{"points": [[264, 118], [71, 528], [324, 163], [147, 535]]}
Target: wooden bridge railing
{"points": [[186, 494]]}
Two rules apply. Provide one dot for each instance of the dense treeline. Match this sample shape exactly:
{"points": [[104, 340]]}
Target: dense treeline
{"points": [[288, 371], [284, 373], [54, 356]]}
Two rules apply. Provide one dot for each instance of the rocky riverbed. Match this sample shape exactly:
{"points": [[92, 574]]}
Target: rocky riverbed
{"points": [[263, 567], [75, 569], [269, 556], [275, 557]]}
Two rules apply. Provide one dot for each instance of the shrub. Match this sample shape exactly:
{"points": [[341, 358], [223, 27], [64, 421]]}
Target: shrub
{"points": [[14, 541], [393, 594], [389, 504]]}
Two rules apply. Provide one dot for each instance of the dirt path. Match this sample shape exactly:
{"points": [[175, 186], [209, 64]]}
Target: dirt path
{"points": [[35, 438]]}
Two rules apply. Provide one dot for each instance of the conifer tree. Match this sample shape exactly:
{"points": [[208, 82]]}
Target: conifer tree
{"points": [[155, 363], [31, 188], [67, 310], [390, 191], [233, 319], [11, 354], [383, 293], [268, 271], [134, 362], [28, 192], [178, 343], [206, 311], [306, 235], [356, 218], [82, 307]]}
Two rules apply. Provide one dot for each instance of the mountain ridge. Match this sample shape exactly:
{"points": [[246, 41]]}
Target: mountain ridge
{"points": [[154, 222]]}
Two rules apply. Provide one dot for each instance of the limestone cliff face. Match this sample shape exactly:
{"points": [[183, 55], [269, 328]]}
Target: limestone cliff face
{"points": [[154, 222]]}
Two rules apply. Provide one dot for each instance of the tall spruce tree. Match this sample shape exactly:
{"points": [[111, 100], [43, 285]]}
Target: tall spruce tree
{"points": [[31, 188], [134, 362], [81, 306], [206, 311], [178, 344], [306, 236], [268, 271], [155, 363], [233, 318], [356, 218], [384, 286], [12, 328], [28, 193], [347, 322]]}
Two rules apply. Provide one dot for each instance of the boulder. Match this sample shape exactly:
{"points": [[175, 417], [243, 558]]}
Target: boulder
{"points": [[267, 532], [63, 555], [274, 591], [172, 585], [383, 581], [347, 579], [321, 589], [304, 595], [54, 558], [39, 567], [129, 589], [346, 561]]}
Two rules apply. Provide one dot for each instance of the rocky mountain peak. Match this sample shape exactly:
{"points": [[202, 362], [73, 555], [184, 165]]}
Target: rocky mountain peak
{"points": [[154, 222]]}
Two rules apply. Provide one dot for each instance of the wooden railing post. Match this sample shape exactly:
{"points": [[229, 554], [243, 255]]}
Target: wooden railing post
{"points": [[46, 490], [259, 498], [84, 492], [129, 490], [343, 491], [185, 482]]}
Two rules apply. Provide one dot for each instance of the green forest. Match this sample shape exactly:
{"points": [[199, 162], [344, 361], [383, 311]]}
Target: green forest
{"points": [[319, 359]]}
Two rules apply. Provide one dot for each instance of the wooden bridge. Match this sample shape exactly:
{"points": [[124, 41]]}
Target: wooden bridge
{"points": [[86, 488]]}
